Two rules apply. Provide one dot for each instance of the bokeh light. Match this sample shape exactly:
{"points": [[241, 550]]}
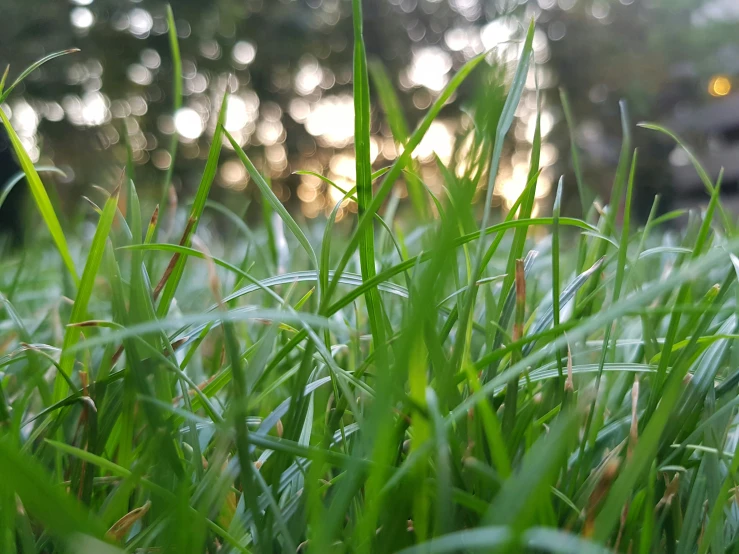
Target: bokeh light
{"points": [[720, 85], [288, 67], [188, 123]]}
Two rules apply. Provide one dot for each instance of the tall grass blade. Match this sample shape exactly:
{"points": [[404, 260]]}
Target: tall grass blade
{"points": [[364, 182], [575, 153], [41, 198], [702, 173], [84, 292], [174, 49], [211, 166], [399, 128], [401, 163]]}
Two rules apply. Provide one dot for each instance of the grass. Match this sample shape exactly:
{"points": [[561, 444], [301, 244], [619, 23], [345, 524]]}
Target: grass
{"points": [[462, 387]]}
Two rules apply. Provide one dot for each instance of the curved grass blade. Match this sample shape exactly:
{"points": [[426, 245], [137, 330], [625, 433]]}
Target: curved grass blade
{"points": [[669, 216], [41, 198], [15, 179], [705, 179], [239, 314], [33, 67], [274, 202], [351, 279]]}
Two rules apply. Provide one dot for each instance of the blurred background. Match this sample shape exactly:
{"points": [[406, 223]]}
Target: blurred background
{"points": [[289, 65]]}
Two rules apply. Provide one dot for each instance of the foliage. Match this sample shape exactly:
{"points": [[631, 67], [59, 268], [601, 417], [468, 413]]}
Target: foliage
{"points": [[471, 387]]}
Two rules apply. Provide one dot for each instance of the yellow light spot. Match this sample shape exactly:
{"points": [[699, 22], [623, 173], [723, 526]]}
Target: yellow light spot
{"points": [[719, 86]]}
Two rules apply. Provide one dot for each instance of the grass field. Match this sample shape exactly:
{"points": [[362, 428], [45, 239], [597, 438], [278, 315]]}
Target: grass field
{"points": [[450, 385]]}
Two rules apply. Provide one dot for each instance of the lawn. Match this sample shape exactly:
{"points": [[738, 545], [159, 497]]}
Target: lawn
{"points": [[444, 381]]}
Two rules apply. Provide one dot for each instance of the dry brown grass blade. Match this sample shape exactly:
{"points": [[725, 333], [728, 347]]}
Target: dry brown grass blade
{"points": [[172, 203], [671, 489], [633, 437], [607, 477], [121, 527], [154, 217]]}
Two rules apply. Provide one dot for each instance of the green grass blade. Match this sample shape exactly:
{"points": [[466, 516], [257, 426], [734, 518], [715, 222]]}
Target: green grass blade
{"points": [[174, 49], [401, 163], [482, 538], [273, 201], [30, 69], [705, 179], [504, 123], [575, 153], [609, 220], [399, 128], [41, 198], [523, 494], [81, 301], [364, 183], [556, 279], [620, 271], [59, 514], [444, 505], [211, 166], [18, 177], [502, 128], [238, 409], [4, 78]]}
